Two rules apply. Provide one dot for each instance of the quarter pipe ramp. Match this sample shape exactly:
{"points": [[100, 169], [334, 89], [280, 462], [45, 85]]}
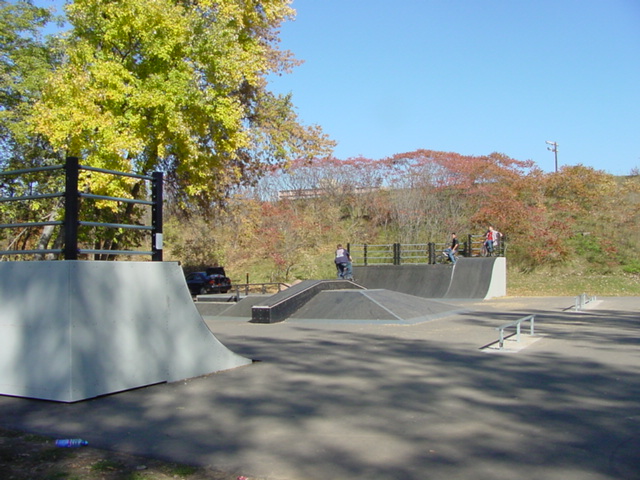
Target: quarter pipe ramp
{"points": [[478, 278], [72, 330]]}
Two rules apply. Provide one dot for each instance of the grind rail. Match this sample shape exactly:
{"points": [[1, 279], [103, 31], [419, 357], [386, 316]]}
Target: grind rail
{"points": [[582, 300], [516, 324]]}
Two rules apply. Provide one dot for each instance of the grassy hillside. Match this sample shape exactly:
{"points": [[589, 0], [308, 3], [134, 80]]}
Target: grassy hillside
{"points": [[571, 232], [561, 282]]}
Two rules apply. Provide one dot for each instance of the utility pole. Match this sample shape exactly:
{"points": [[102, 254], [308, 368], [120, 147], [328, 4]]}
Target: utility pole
{"points": [[553, 147]]}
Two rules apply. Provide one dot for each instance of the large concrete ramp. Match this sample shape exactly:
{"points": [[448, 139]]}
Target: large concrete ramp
{"points": [[477, 278], [72, 330], [427, 281]]}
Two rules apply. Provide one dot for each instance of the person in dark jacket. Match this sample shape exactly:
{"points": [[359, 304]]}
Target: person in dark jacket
{"points": [[343, 263]]}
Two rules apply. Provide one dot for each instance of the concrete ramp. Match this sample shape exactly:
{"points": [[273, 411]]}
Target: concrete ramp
{"points": [[281, 305], [427, 281], [73, 330], [478, 278], [470, 278], [240, 309], [378, 306]]}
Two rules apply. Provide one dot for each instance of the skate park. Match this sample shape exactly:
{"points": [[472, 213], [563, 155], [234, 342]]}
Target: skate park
{"points": [[397, 376], [408, 396], [437, 368]]}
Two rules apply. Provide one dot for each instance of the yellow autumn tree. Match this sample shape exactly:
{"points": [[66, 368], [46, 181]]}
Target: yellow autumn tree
{"points": [[178, 86]]}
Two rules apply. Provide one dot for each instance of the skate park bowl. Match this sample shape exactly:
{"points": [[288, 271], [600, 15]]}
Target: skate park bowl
{"points": [[73, 330]]}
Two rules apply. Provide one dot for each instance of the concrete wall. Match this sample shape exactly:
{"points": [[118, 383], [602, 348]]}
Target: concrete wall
{"points": [[72, 330], [498, 284]]}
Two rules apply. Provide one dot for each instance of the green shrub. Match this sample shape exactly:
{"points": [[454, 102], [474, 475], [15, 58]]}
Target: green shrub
{"points": [[632, 267]]}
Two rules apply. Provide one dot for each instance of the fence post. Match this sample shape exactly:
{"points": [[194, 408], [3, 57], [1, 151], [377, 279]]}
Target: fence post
{"points": [[431, 247], [71, 207], [470, 243], [365, 254], [396, 254], [156, 216]]}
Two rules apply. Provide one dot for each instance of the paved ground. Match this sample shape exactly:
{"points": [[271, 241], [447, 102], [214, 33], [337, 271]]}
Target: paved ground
{"points": [[354, 400]]}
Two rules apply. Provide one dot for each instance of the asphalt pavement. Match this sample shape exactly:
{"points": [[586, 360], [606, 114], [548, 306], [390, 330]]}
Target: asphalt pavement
{"points": [[372, 400]]}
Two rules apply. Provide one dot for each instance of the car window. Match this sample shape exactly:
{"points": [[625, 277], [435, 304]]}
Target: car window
{"points": [[215, 271]]}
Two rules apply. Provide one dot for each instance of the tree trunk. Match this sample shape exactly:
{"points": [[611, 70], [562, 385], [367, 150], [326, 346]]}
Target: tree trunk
{"points": [[47, 233]]}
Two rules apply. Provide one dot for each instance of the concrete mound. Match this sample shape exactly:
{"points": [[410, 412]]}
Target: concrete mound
{"points": [[382, 306], [281, 305]]}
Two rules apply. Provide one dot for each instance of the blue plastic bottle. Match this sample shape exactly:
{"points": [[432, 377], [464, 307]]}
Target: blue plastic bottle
{"points": [[71, 442]]}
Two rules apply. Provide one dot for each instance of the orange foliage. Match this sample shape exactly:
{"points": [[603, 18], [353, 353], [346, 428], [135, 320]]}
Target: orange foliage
{"points": [[422, 196]]}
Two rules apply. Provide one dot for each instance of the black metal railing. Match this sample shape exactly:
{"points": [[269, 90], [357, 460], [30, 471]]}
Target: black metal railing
{"points": [[261, 288], [71, 221], [430, 253]]}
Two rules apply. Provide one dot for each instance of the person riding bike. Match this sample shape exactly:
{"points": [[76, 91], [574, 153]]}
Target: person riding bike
{"points": [[492, 239], [343, 263]]}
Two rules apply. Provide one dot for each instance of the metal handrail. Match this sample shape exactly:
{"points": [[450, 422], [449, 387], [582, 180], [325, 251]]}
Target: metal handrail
{"points": [[31, 197], [263, 287], [116, 225], [31, 224], [399, 253], [115, 252], [115, 199], [115, 172], [582, 300], [516, 324], [30, 252], [31, 170]]}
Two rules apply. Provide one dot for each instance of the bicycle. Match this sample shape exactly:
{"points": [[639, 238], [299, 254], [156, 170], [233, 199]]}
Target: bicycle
{"points": [[486, 252], [345, 271]]}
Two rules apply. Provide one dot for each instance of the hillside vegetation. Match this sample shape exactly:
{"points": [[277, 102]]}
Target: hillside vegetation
{"points": [[569, 231], [145, 87]]}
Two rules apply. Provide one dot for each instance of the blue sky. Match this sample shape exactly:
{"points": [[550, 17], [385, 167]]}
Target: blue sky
{"points": [[472, 77]]}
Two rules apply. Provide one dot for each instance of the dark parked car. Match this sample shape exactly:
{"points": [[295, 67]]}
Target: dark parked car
{"points": [[213, 280]]}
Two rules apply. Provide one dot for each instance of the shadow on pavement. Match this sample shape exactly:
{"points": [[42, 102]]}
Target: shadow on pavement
{"points": [[368, 402]]}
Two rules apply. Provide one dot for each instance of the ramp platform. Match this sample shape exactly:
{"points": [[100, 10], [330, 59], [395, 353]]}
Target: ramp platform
{"points": [[378, 306], [281, 305]]}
